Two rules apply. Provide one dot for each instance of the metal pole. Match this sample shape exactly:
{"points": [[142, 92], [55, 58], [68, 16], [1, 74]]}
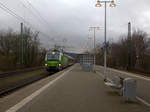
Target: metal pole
{"points": [[105, 52], [129, 46], [94, 50], [22, 44]]}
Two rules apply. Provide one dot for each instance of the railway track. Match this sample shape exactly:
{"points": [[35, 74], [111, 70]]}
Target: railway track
{"points": [[12, 73], [24, 77]]}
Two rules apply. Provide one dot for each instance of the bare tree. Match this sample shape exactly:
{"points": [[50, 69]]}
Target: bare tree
{"points": [[10, 49], [117, 55]]}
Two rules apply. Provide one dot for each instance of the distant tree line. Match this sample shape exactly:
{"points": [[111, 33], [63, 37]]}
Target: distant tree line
{"points": [[138, 48], [10, 50]]}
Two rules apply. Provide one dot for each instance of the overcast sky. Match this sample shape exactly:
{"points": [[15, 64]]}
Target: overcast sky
{"points": [[66, 22]]}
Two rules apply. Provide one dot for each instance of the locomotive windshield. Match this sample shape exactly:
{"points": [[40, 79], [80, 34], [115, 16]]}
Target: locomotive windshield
{"points": [[53, 56]]}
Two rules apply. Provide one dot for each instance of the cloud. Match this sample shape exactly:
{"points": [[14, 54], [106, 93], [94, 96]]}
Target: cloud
{"points": [[70, 19]]}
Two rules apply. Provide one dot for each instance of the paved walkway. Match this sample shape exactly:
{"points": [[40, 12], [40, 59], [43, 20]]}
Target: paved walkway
{"points": [[80, 91], [143, 82]]}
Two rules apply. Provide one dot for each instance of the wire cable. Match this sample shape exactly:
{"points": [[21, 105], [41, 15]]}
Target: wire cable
{"points": [[6, 9], [32, 12], [38, 13]]}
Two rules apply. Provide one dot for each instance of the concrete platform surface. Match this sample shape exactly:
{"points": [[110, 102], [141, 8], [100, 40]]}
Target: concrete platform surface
{"points": [[143, 82], [80, 91], [14, 97]]}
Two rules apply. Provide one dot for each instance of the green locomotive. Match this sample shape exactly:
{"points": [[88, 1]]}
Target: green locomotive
{"points": [[56, 61]]}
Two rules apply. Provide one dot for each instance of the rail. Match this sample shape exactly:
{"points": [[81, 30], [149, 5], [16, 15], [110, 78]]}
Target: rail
{"points": [[5, 88], [12, 73], [11, 87]]}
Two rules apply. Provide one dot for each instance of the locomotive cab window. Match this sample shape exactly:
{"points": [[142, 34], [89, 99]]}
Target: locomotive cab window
{"points": [[53, 56]]}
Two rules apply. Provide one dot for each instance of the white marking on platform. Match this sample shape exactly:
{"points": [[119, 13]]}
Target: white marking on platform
{"points": [[143, 101], [36, 93], [138, 98], [130, 74], [137, 76]]}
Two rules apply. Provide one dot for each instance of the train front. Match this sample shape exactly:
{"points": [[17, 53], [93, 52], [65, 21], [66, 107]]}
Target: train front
{"points": [[53, 61]]}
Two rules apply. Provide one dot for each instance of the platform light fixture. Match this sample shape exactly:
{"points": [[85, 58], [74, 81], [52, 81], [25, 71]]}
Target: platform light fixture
{"points": [[94, 29], [112, 4], [98, 28], [90, 28], [99, 4], [53, 53]]}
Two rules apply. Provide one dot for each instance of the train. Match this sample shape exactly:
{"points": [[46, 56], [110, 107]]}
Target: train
{"points": [[56, 61]]}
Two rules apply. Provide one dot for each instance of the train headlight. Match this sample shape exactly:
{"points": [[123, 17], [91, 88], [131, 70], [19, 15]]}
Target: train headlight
{"points": [[45, 64], [53, 53]]}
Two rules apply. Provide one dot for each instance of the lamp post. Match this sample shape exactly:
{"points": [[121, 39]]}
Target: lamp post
{"points": [[112, 4], [94, 29]]}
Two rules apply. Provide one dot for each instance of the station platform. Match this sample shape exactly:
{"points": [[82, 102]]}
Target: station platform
{"points": [[78, 91]]}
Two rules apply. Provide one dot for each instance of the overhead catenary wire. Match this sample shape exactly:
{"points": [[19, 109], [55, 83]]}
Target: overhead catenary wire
{"points": [[38, 13], [18, 17], [33, 13], [6, 9]]}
